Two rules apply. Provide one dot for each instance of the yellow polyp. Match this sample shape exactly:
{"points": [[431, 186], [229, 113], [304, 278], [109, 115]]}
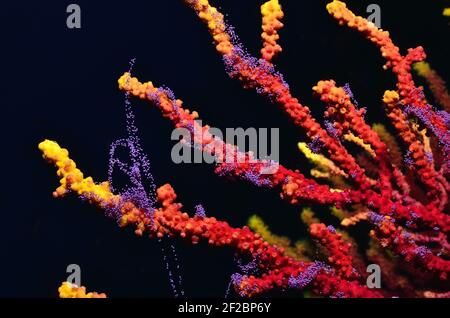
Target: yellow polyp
{"points": [[325, 168], [215, 23], [319, 174], [322, 163], [353, 220], [358, 141], [271, 7], [422, 68], [446, 12], [308, 217], [272, 13], [72, 178], [158, 96], [391, 98], [336, 8], [68, 290]]}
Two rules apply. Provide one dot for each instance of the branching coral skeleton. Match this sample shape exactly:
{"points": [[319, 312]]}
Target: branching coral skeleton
{"points": [[406, 205]]}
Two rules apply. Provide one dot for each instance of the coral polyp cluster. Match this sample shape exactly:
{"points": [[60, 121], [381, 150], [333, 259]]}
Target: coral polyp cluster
{"points": [[397, 184]]}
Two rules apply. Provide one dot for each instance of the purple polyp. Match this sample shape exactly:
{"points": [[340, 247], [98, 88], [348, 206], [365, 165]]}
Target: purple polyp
{"points": [[406, 235], [421, 252], [426, 117], [249, 267], [408, 158], [236, 278], [349, 92], [429, 156], [339, 295], [306, 277], [316, 145], [240, 62], [331, 129], [200, 211], [331, 229], [375, 218]]}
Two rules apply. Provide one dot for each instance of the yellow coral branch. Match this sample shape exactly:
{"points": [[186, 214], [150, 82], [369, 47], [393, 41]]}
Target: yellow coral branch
{"points": [[216, 25], [325, 164], [308, 217], [350, 137], [72, 178], [271, 15], [350, 221], [99, 194]]}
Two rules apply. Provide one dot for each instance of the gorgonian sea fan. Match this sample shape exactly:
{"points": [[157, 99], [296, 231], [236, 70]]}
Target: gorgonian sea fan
{"points": [[405, 205]]}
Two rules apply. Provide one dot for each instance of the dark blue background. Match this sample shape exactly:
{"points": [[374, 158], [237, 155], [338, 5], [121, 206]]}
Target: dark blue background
{"points": [[61, 84]]}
